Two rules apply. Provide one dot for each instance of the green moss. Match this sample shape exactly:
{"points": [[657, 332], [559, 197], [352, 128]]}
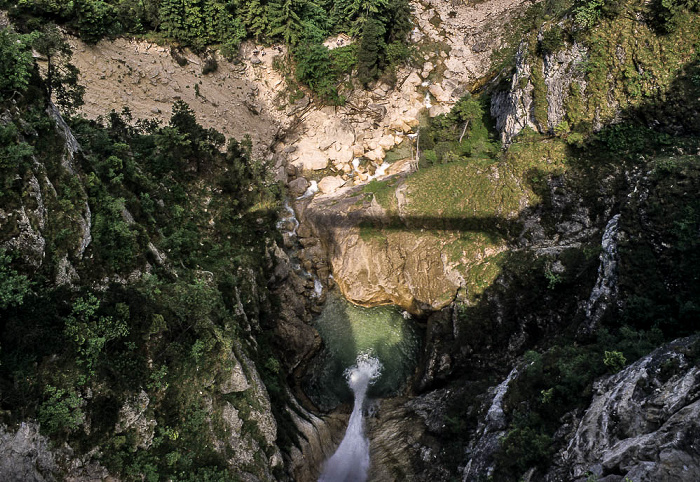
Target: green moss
{"points": [[539, 94]]}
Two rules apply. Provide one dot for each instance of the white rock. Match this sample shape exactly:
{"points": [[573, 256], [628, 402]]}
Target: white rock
{"points": [[329, 184], [376, 155], [413, 79], [439, 93], [344, 155], [386, 142]]}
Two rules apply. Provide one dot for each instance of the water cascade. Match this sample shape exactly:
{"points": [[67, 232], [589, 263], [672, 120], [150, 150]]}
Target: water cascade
{"points": [[605, 287], [347, 330], [351, 461]]}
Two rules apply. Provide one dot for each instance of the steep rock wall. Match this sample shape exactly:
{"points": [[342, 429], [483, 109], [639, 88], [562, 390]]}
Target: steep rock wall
{"points": [[643, 422]]}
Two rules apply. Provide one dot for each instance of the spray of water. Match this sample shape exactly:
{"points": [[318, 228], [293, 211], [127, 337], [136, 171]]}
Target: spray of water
{"points": [[351, 461]]}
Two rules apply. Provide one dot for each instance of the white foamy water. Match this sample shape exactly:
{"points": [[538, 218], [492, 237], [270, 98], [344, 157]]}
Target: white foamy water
{"points": [[350, 462], [310, 191], [380, 172], [318, 288], [289, 221]]}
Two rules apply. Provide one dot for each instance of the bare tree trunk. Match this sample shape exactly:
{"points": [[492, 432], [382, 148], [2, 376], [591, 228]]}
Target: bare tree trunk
{"points": [[463, 131]]}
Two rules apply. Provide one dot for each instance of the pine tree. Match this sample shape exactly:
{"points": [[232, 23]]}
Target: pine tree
{"points": [[368, 55], [171, 18], [195, 23], [285, 20], [254, 14]]}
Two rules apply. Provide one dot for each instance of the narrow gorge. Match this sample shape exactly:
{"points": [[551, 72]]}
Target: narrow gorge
{"points": [[349, 241]]}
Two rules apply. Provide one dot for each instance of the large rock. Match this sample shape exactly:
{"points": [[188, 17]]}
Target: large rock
{"points": [[376, 155], [330, 184], [27, 456], [514, 109], [298, 186], [404, 268], [309, 156], [643, 422]]}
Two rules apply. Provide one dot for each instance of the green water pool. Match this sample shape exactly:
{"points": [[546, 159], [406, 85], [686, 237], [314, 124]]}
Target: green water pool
{"points": [[348, 330]]}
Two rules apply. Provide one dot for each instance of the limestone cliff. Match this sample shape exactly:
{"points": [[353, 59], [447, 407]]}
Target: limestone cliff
{"points": [[642, 423]]}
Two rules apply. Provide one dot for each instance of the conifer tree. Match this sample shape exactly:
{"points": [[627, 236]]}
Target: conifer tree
{"points": [[254, 14], [368, 55], [285, 21]]}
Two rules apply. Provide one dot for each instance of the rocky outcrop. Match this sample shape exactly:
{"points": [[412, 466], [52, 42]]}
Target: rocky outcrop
{"points": [[403, 268], [24, 222], [27, 456], [605, 288], [318, 438], [516, 108], [246, 449], [133, 415], [481, 450], [643, 422]]}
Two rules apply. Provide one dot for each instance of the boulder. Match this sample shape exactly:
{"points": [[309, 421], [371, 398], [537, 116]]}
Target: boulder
{"points": [[298, 186], [343, 154], [329, 184], [386, 142], [642, 422], [308, 156], [439, 93], [376, 155]]}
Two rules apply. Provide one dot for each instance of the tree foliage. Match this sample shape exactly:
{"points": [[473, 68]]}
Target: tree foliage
{"points": [[17, 62], [61, 76]]}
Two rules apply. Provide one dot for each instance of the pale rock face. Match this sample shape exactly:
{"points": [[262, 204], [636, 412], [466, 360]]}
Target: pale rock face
{"points": [[386, 142], [358, 151], [405, 269], [376, 155], [236, 381], [308, 156], [439, 93], [330, 184], [514, 110], [642, 422], [342, 154]]}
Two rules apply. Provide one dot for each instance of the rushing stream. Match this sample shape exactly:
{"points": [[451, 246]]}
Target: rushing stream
{"points": [[351, 461]]}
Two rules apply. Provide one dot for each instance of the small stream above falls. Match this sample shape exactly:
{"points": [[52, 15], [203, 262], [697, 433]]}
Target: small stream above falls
{"points": [[348, 330]]}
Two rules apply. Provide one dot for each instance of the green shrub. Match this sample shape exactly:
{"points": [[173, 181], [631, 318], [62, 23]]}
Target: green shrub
{"points": [[17, 62], [13, 286], [61, 411], [587, 13], [552, 41], [614, 360]]}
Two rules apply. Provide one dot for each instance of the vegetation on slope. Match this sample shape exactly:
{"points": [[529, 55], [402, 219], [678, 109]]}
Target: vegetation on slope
{"points": [[171, 286], [627, 145], [380, 26]]}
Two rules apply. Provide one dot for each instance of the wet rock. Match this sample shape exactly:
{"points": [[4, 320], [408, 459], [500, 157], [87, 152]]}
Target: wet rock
{"points": [[298, 186]]}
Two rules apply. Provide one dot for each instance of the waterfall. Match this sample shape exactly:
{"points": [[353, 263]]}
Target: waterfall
{"points": [[427, 102], [310, 191], [605, 287], [350, 462]]}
